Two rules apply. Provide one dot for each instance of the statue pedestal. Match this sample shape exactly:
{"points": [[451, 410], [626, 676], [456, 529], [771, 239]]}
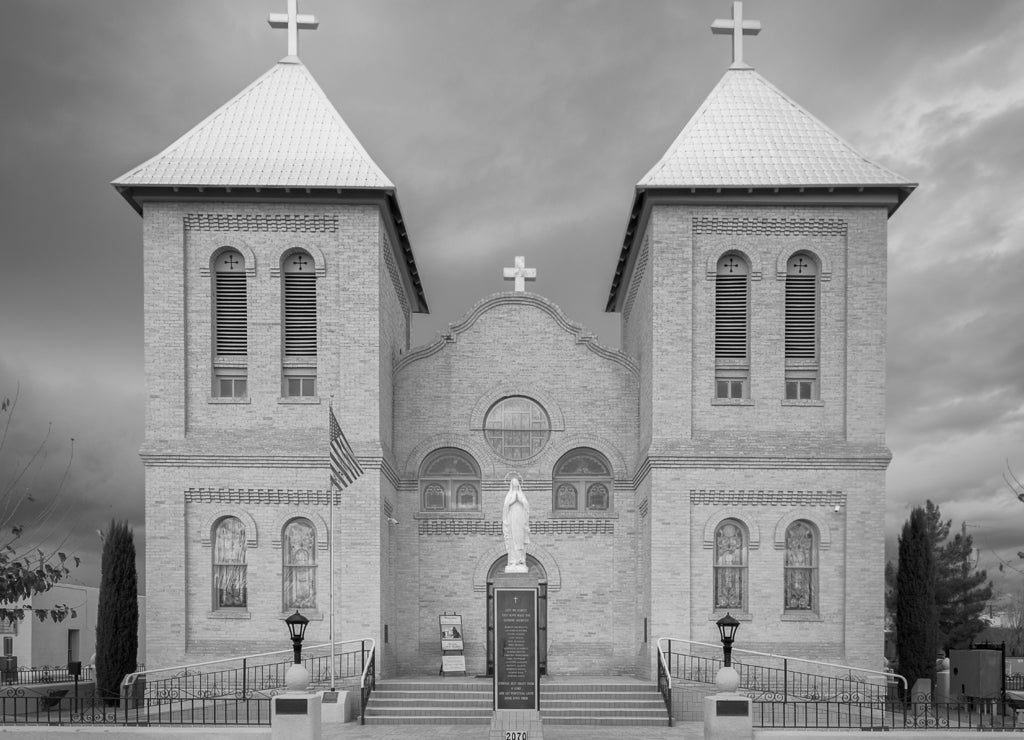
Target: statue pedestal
{"points": [[516, 664]]}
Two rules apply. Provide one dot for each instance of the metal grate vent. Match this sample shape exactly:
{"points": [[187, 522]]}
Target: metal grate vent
{"points": [[231, 314], [299, 314]]}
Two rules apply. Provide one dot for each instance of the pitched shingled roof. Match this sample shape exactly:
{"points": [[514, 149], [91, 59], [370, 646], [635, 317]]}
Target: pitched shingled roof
{"points": [[280, 131], [748, 133]]}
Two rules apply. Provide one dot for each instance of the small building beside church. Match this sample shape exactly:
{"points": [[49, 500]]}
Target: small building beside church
{"points": [[729, 457]]}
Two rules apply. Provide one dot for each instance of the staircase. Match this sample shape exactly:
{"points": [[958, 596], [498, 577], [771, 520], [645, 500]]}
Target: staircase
{"points": [[468, 701]]}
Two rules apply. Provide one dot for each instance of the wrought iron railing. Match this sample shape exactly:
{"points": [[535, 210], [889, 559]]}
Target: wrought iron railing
{"points": [[665, 682], [256, 675], [770, 677], [42, 674], [35, 709], [874, 715], [367, 683]]}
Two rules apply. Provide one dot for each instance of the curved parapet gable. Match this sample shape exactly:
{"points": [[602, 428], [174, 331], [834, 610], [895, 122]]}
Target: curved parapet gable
{"points": [[577, 331]]}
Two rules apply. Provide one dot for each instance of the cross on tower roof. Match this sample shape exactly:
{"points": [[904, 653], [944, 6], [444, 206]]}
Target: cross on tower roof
{"points": [[738, 28], [520, 273], [293, 22]]}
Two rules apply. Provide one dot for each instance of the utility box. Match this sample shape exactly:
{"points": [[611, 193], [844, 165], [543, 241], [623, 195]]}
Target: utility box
{"points": [[975, 673]]}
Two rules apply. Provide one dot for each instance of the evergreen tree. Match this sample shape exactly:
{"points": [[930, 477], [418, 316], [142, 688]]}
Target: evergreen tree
{"points": [[916, 623], [961, 592], [117, 619]]}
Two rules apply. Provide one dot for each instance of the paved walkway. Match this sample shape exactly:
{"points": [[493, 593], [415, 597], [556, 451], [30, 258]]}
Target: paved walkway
{"points": [[350, 731]]}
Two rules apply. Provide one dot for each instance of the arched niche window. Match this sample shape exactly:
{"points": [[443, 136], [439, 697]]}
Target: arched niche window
{"points": [[582, 481], [449, 481], [230, 326], [298, 545], [730, 566], [517, 428], [801, 567], [299, 339], [802, 328], [229, 568], [732, 322]]}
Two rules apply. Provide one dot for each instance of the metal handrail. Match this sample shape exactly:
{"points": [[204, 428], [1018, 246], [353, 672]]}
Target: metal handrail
{"points": [[369, 669], [884, 674], [665, 671], [130, 679]]}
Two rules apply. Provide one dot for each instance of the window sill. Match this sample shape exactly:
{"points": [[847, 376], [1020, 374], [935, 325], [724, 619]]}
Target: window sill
{"points": [[741, 616], [801, 616], [732, 401], [312, 616], [448, 515], [221, 399], [802, 402], [229, 613], [298, 400], [583, 514]]}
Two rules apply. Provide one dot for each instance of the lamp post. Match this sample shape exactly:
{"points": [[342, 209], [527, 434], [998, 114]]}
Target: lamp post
{"points": [[297, 629], [727, 627]]}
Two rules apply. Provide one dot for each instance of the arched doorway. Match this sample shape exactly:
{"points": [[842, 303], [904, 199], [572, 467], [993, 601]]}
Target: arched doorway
{"points": [[535, 569]]}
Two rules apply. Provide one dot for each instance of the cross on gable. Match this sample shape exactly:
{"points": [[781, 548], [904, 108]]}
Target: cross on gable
{"points": [[738, 28], [800, 264], [520, 273], [293, 22], [731, 264], [300, 262], [230, 261]]}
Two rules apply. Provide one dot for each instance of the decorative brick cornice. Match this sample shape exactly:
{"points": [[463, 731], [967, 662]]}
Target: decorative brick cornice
{"points": [[767, 497], [741, 462], [260, 496], [492, 528], [283, 222], [759, 226]]}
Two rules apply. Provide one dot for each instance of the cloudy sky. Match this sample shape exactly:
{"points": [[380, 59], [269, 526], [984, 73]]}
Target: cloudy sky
{"points": [[512, 127]]}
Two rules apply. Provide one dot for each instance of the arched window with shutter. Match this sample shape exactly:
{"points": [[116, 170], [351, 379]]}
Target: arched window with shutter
{"points": [[801, 343], [732, 325], [230, 326], [299, 326]]}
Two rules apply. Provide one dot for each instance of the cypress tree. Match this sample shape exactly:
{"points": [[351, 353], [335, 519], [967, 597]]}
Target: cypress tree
{"points": [[117, 619], [916, 615]]}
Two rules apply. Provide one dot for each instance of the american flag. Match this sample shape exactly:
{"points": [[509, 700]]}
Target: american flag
{"points": [[344, 466]]}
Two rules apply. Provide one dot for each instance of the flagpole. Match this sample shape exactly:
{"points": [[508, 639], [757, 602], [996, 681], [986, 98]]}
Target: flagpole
{"points": [[330, 557]]}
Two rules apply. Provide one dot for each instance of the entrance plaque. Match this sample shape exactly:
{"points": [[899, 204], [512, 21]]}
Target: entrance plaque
{"points": [[516, 684]]}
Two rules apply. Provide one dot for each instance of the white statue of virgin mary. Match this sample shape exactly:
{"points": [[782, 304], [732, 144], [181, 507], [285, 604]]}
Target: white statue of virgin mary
{"points": [[515, 526]]}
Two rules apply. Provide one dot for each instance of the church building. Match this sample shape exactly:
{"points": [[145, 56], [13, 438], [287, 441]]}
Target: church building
{"points": [[729, 457]]}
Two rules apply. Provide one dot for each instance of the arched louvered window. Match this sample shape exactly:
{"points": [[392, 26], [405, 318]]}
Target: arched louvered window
{"points": [[230, 326], [801, 327], [300, 345], [229, 568], [298, 544], [449, 481], [730, 566], [801, 568], [582, 480], [732, 323]]}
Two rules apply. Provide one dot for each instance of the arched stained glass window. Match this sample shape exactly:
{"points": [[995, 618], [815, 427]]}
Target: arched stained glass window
{"points": [[517, 428], [801, 569], [732, 322], [730, 566], [230, 326], [229, 569], [801, 344], [298, 543], [449, 481], [582, 477]]}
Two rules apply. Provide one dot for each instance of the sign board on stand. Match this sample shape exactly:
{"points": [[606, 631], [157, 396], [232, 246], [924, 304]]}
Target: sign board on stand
{"points": [[453, 661]]}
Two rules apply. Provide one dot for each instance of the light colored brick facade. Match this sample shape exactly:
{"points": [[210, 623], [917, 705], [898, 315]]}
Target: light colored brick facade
{"points": [[681, 462]]}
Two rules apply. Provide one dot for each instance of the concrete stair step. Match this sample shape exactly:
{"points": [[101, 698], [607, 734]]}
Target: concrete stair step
{"points": [[450, 720], [427, 712]]}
